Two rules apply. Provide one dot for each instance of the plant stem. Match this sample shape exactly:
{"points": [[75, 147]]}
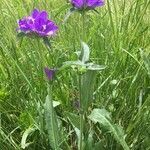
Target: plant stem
{"points": [[83, 27], [81, 129], [81, 114], [49, 48]]}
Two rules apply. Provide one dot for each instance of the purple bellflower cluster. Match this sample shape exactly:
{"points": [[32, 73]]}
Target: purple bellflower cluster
{"points": [[37, 23], [87, 4]]}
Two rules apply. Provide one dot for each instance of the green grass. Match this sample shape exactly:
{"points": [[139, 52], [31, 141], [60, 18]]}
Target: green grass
{"points": [[118, 37]]}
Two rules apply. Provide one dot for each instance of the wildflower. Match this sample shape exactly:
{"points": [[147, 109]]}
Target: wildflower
{"points": [[87, 4], [49, 73], [37, 23]]}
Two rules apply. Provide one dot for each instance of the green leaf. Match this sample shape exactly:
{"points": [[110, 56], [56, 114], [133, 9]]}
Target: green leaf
{"points": [[26, 118], [74, 119], [73, 63], [51, 123], [99, 145], [89, 144], [87, 87], [146, 59], [85, 53], [77, 131], [103, 117], [94, 67], [25, 136], [55, 103]]}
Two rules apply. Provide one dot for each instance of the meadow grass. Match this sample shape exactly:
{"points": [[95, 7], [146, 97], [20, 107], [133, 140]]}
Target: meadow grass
{"points": [[118, 37]]}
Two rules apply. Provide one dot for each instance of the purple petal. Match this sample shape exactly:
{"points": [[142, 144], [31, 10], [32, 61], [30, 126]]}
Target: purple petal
{"points": [[35, 13], [51, 28], [23, 25], [39, 23], [43, 15], [49, 73], [26, 24], [47, 29], [95, 3], [78, 3], [83, 4]]}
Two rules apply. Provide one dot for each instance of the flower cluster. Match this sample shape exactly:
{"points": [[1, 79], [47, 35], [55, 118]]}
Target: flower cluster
{"points": [[37, 23], [87, 4]]}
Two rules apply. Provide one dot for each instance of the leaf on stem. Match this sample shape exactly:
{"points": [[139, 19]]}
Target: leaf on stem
{"points": [[102, 116], [24, 144], [85, 53], [51, 123]]}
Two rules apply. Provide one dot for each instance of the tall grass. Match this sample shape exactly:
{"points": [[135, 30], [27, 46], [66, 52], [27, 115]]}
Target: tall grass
{"points": [[118, 37]]}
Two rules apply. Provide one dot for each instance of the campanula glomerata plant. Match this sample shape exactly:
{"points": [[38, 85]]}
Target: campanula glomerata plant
{"points": [[38, 24], [57, 95]]}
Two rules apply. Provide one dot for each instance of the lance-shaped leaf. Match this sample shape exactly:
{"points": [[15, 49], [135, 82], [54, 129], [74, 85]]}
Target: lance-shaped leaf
{"points": [[91, 66], [103, 117], [73, 63], [29, 131], [74, 119], [85, 53], [51, 123], [87, 87], [146, 59]]}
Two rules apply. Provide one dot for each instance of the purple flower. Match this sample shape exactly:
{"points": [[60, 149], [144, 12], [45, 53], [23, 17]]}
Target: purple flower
{"points": [[37, 23], [87, 4], [49, 73]]}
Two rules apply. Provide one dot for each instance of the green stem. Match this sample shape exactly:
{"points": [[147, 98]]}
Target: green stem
{"points": [[81, 114], [83, 27], [41, 53], [81, 129], [51, 52]]}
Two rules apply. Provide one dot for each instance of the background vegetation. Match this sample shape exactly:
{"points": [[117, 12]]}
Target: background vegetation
{"points": [[118, 37]]}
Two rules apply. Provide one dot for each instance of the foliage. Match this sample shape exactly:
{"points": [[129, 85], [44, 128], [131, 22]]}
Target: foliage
{"points": [[117, 37]]}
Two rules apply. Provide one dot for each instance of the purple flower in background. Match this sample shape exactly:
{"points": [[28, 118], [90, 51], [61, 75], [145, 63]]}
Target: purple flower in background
{"points": [[37, 23], [87, 4], [49, 73]]}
